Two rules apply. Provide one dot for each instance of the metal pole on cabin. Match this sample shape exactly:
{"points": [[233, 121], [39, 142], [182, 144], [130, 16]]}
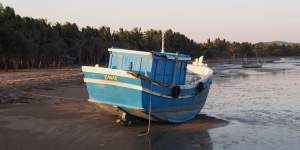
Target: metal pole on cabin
{"points": [[175, 69], [163, 42]]}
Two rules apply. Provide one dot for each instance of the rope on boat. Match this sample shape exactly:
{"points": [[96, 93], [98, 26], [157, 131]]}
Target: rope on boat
{"points": [[149, 116]]}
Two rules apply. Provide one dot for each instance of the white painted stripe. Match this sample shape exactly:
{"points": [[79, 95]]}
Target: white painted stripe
{"points": [[122, 73], [125, 74], [108, 71], [114, 83], [131, 86], [205, 71], [129, 51], [95, 101]]}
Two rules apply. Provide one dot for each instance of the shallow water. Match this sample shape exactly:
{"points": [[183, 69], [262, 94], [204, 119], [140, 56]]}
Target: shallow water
{"points": [[262, 106]]}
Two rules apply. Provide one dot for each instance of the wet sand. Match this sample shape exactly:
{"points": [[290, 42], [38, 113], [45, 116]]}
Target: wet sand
{"points": [[31, 121], [82, 126]]}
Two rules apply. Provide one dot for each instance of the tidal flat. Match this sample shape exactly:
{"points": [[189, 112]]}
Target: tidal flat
{"points": [[245, 109]]}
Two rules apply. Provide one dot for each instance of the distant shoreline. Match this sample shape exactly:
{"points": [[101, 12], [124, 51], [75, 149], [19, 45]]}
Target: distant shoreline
{"points": [[209, 61]]}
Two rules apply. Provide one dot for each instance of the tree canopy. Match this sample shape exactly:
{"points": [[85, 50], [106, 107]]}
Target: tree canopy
{"points": [[26, 42]]}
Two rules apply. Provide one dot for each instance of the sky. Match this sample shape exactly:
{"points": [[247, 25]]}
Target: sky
{"points": [[235, 20]]}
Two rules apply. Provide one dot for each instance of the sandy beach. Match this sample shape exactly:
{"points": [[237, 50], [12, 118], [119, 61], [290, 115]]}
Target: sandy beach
{"points": [[47, 109]]}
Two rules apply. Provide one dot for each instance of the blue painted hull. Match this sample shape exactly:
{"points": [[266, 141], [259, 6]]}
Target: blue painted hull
{"points": [[137, 96], [176, 111]]}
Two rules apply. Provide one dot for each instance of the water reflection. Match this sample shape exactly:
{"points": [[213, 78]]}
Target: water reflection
{"points": [[180, 140], [191, 135], [262, 105]]}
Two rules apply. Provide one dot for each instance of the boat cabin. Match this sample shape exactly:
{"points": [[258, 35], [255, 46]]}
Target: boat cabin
{"points": [[168, 68]]}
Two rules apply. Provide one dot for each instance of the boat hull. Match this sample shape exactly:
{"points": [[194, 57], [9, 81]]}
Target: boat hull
{"points": [[171, 114], [140, 97]]}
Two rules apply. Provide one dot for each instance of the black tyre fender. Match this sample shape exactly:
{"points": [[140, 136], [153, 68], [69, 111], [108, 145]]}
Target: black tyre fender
{"points": [[200, 87], [175, 91]]}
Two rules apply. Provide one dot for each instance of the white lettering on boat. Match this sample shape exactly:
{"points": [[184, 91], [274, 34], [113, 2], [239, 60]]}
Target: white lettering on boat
{"points": [[110, 77]]}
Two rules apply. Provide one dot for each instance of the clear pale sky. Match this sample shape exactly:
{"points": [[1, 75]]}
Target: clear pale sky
{"points": [[235, 20]]}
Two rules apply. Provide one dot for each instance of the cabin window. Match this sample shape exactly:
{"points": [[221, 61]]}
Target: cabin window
{"points": [[129, 62]]}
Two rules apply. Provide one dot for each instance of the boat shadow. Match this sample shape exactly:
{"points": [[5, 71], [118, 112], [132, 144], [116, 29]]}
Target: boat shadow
{"points": [[94, 128], [191, 135]]}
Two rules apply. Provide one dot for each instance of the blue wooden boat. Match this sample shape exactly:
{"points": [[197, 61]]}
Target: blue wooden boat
{"points": [[161, 86]]}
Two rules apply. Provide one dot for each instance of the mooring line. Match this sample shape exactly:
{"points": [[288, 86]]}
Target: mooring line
{"points": [[149, 116]]}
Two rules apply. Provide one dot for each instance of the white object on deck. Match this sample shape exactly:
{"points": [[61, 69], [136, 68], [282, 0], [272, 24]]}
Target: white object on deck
{"points": [[199, 62]]}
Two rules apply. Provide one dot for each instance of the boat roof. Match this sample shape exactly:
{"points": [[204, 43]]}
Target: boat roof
{"points": [[167, 55], [128, 51]]}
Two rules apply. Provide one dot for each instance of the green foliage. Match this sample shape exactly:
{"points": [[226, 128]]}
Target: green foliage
{"points": [[152, 40], [26, 43]]}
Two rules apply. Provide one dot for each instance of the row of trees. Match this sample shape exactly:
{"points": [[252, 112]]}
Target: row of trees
{"points": [[220, 48], [33, 43], [26, 42]]}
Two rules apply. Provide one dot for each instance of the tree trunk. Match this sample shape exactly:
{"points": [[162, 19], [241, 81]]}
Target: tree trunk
{"points": [[79, 57], [6, 64], [40, 64], [32, 63], [15, 64]]}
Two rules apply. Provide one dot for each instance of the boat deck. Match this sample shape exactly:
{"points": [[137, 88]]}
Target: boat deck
{"points": [[191, 77]]}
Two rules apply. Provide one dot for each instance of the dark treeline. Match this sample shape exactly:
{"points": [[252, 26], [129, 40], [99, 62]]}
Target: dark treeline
{"points": [[34, 43]]}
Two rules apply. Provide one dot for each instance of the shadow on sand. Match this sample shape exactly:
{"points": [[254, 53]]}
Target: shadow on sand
{"points": [[190, 135], [82, 126]]}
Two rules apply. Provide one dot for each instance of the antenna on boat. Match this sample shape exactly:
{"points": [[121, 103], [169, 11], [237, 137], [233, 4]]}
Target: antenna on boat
{"points": [[163, 42]]}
